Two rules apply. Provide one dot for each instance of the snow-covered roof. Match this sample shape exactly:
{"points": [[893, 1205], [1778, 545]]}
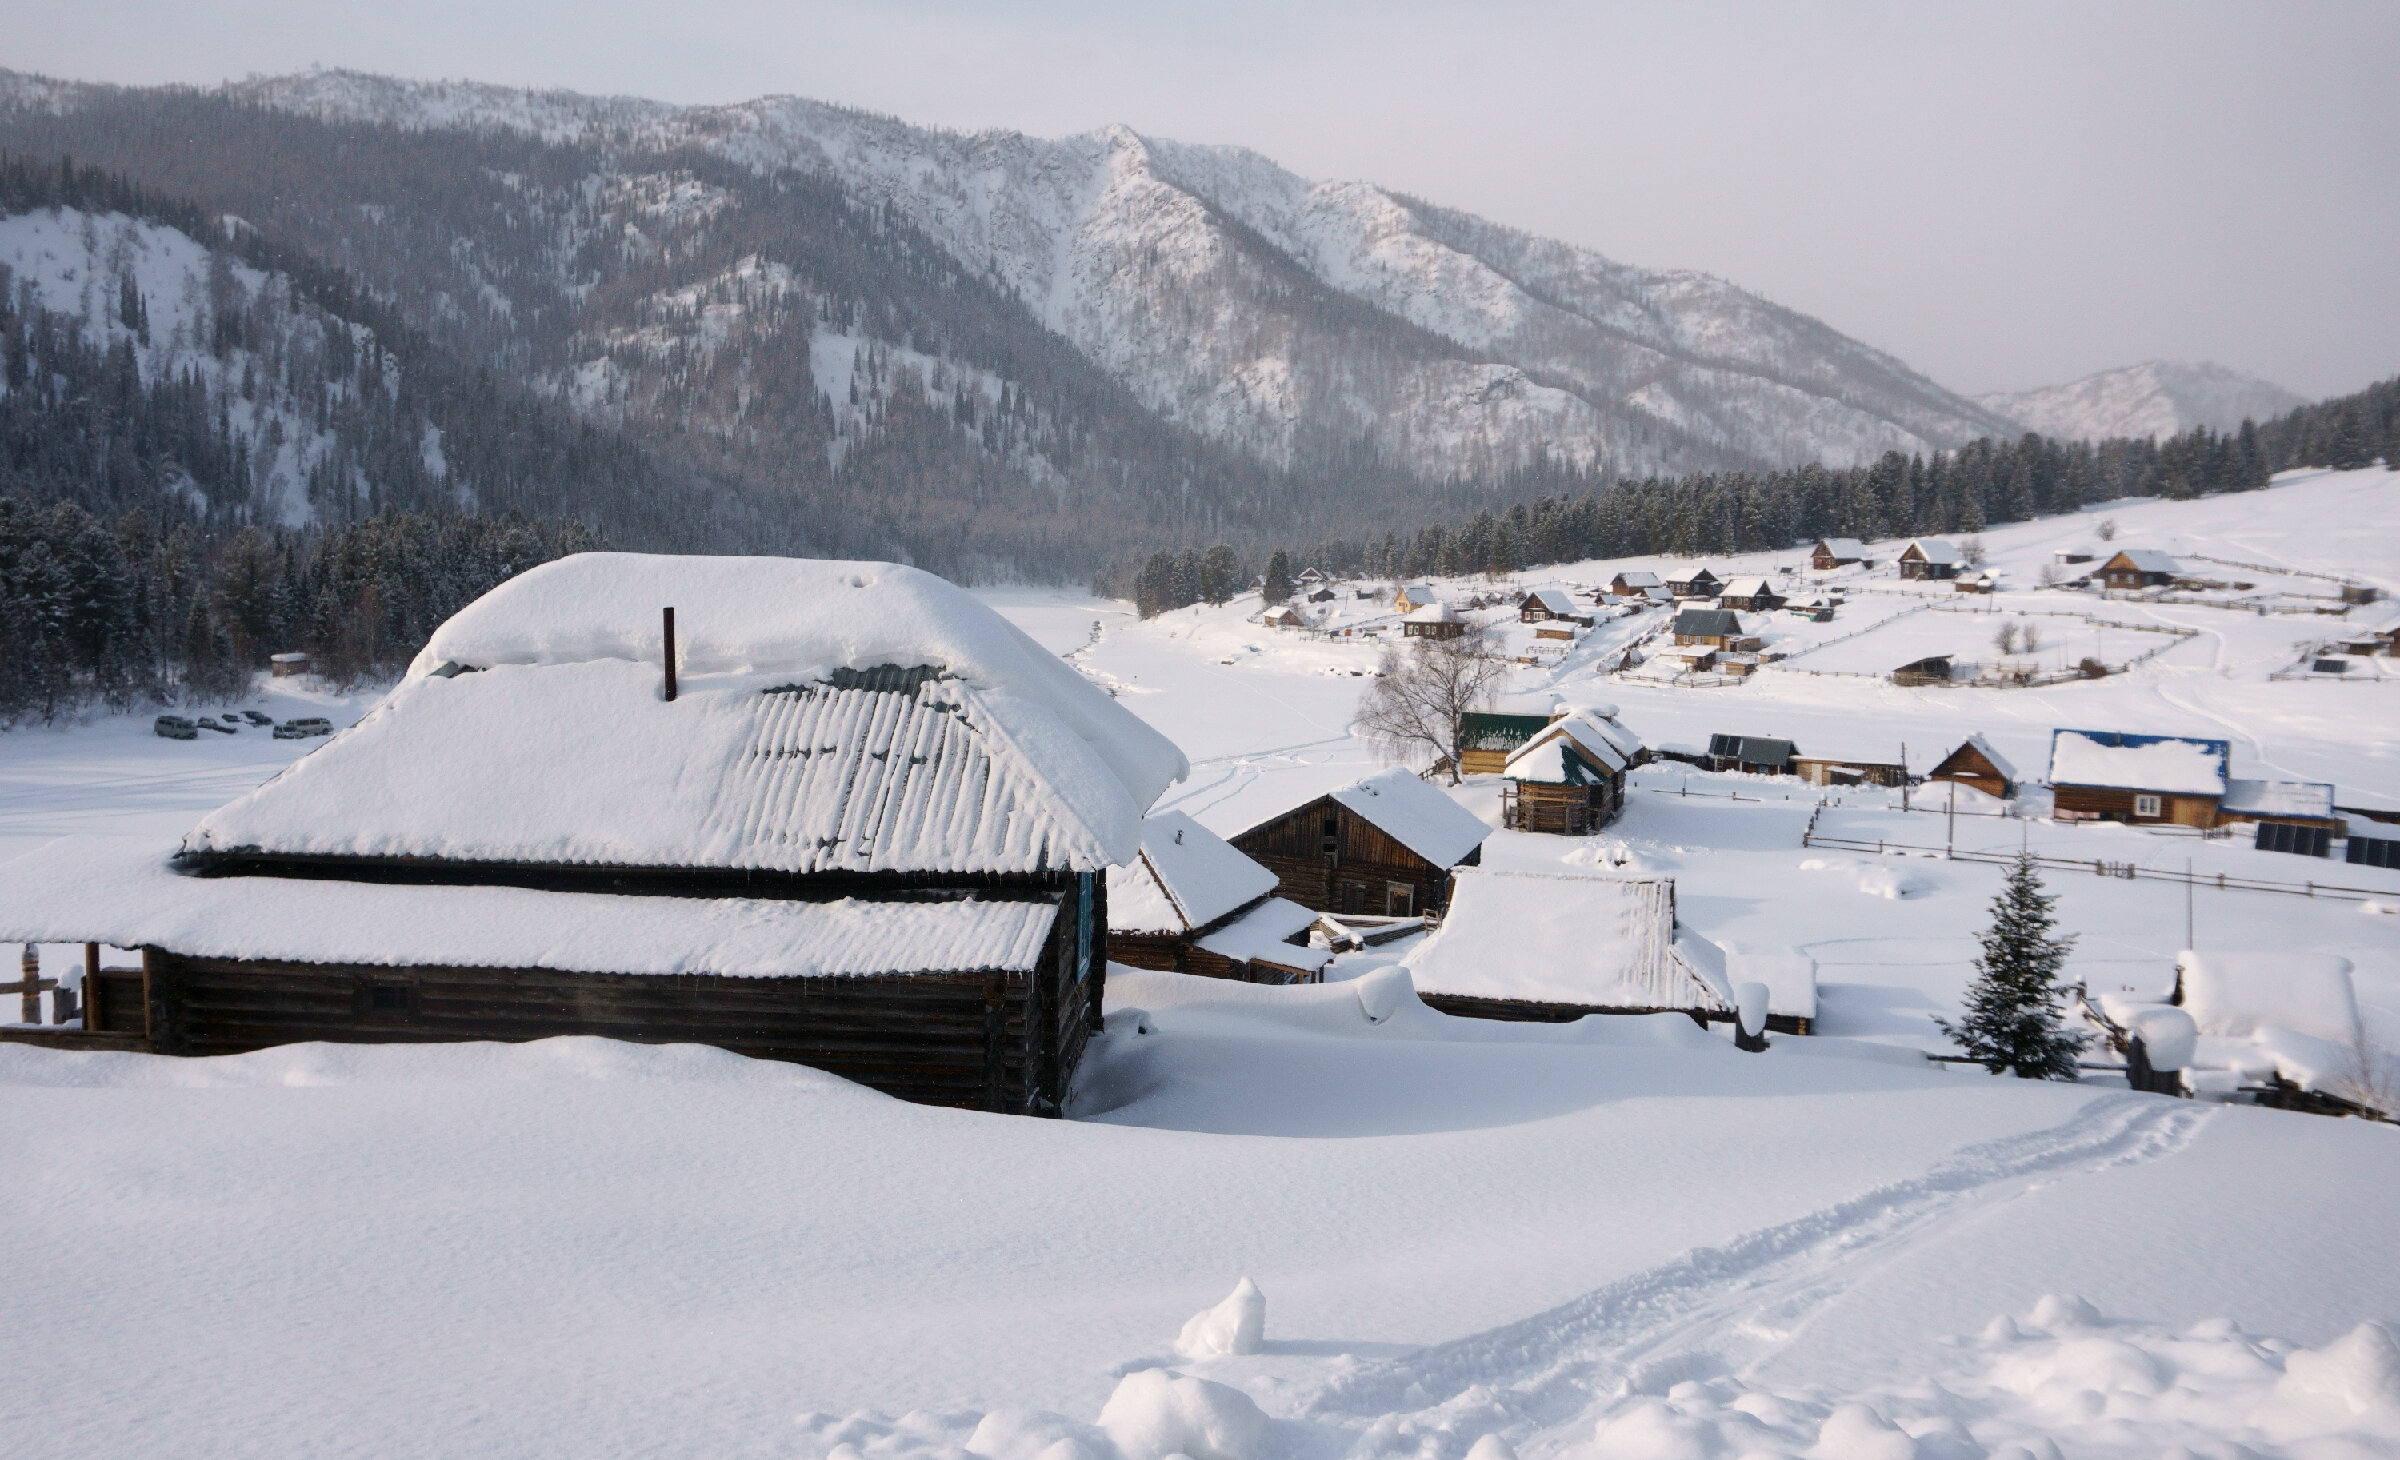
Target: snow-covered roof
{"points": [[832, 716], [1416, 592], [122, 892], [1260, 935], [1843, 547], [2235, 994], [1992, 753], [2279, 798], [1555, 600], [2137, 762], [1637, 578], [1708, 622], [1789, 974], [1185, 878], [1757, 588], [1935, 550], [1599, 737], [2145, 560], [1436, 612], [1592, 941], [1416, 815]]}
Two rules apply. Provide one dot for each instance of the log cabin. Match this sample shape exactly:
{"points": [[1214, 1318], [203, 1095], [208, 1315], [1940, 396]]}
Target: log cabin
{"points": [[1702, 584], [2135, 568], [1569, 779], [1715, 628], [1836, 552], [1755, 596], [851, 818], [1633, 583], [1976, 764], [1486, 740], [1192, 903], [1930, 557], [2106, 775], [1436, 620], [1545, 604], [1384, 844]]}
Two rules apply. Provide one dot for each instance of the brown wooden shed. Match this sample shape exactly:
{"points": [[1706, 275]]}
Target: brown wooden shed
{"points": [[1384, 844]]}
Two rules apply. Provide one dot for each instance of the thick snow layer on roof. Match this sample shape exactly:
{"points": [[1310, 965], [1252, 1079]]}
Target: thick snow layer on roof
{"points": [[2279, 798], [1556, 600], [562, 749], [1551, 938], [1416, 815], [1432, 613], [121, 892], [1186, 878], [1790, 977], [1602, 741], [1637, 578], [1263, 933], [2148, 560], [2189, 767], [1992, 753], [1937, 550], [1845, 547], [2236, 994], [796, 616]]}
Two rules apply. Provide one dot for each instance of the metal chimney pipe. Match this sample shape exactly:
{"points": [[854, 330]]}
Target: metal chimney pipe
{"points": [[670, 652]]}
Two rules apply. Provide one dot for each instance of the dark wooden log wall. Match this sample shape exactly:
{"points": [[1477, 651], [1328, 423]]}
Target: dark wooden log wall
{"points": [[1293, 847], [2117, 805]]}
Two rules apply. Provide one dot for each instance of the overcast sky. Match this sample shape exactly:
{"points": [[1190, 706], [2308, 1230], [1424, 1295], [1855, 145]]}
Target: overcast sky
{"points": [[2005, 195]]}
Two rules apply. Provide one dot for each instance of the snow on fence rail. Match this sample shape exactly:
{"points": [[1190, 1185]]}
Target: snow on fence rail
{"points": [[2098, 867], [2344, 580]]}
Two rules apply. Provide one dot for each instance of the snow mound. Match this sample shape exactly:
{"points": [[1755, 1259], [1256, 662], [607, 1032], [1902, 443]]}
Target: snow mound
{"points": [[2361, 1369], [1875, 879], [1382, 992], [1032, 1434], [1155, 1413], [1238, 1325]]}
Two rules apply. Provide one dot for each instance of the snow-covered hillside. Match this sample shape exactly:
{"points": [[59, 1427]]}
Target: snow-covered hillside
{"points": [[1276, 313], [2155, 398]]}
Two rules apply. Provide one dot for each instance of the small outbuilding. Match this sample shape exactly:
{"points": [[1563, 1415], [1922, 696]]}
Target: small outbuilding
{"points": [[1569, 779], [1758, 755], [1633, 583], [1192, 903], [1933, 669], [2107, 775], [1383, 844], [1486, 740], [1836, 552], [1978, 765], [1282, 616], [2138, 568], [284, 666], [1930, 557], [1849, 770]]}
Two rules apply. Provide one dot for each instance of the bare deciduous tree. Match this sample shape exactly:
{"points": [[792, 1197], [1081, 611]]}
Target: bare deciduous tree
{"points": [[2004, 638], [2372, 1082], [1422, 692], [1971, 549], [2033, 638], [2107, 530]]}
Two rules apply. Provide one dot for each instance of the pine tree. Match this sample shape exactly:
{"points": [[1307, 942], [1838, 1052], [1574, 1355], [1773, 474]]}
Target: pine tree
{"points": [[1278, 587], [2013, 1020]]}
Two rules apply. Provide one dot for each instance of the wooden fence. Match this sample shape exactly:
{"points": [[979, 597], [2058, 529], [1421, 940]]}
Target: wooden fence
{"points": [[2128, 871]]}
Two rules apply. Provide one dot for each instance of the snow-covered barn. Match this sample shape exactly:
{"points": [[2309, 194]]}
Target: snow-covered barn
{"points": [[1192, 903], [863, 826], [1978, 764], [1554, 946], [1383, 844], [1569, 777]]}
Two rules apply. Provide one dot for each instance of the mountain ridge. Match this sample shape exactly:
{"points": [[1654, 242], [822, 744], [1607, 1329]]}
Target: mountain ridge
{"points": [[2152, 399]]}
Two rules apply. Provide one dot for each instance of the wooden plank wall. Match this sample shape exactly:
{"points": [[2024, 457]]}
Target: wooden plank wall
{"points": [[1291, 846]]}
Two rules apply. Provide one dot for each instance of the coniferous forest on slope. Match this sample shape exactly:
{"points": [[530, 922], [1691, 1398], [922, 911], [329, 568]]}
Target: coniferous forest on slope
{"points": [[140, 563]]}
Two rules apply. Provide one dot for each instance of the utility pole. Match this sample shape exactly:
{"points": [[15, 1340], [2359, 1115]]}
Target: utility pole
{"points": [[2187, 902], [1950, 831]]}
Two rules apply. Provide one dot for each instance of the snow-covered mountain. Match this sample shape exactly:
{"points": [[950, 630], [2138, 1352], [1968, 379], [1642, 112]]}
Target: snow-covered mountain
{"points": [[1285, 317], [2154, 398]]}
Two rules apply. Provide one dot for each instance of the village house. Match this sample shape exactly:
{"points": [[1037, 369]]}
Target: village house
{"points": [[1486, 740], [1977, 765], [1717, 628], [1702, 584], [1633, 583], [1553, 947], [1557, 629], [1282, 616], [1191, 903], [1384, 844], [1930, 557], [2106, 775], [1849, 770], [1836, 552], [1757, 596], [1545, 604], [1436, 620], [1323, 595], [1568, 779], [850, 817], [1413, 596], [2137, 568]]}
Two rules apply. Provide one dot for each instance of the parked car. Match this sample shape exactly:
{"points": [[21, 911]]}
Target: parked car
{"points": [[303, 728], [258, 717], [174, 727], [230, 725]]}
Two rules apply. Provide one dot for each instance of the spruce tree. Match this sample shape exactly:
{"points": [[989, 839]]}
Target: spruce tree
{"points": [[1278, 587], [2013, 1020]]}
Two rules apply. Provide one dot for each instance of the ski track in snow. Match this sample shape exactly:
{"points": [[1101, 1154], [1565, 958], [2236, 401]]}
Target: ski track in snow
{"points": [[1720, 1310]]}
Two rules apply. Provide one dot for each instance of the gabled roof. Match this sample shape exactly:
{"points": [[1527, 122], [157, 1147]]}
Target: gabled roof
{"points": [[1261, 935], [1416, 815], [2143, 560], [1415, 592], [1984, 748], [1594, 733], [1436, 612], [1707, 622], [1760, 588], [2113, 760], [1934, 550], [1695, 576], [1590, 941], [1556, 600], [1636, 578], [1843, 547], [832, 717], [1186, 878]]}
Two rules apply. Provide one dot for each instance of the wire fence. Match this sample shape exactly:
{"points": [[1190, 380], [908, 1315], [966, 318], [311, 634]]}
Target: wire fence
{"points": [[2099, 867]]}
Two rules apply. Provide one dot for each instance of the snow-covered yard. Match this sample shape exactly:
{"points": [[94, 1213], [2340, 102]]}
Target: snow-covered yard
{"points": [[1613, 1238]]}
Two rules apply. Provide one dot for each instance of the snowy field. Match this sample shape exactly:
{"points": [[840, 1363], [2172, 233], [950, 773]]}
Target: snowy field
{"points": [[1618, 1238]]}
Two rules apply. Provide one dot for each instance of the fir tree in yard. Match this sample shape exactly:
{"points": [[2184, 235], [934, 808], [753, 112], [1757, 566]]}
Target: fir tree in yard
{"points": [[1278, 585], [2013, 1020]]}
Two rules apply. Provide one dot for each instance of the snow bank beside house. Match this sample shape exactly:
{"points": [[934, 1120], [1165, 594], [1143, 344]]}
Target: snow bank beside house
{"points": [[2237, 994]]}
